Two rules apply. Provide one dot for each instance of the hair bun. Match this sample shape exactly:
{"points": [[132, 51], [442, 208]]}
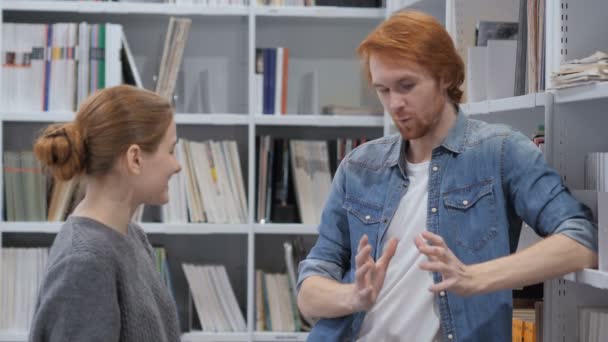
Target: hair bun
{"points": [[60, 147]]}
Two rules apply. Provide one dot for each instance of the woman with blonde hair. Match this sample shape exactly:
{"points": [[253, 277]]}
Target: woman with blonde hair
{"points": [[101, 282]]}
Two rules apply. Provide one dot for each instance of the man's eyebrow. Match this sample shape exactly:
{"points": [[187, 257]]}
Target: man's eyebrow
{"points": [[404, 78]]}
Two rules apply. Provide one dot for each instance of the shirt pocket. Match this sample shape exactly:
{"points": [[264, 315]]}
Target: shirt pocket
{"points": [[363, 219], [471, 215], [361, 213]]}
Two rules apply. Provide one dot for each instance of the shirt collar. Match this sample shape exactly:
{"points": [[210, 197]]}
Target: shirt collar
{"points": [[454, 142]]}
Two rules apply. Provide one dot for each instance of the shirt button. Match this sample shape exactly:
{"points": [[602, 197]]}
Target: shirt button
{"points": [[442, 293], [450, 336], [434, 210], [435, 168], [385, 220], [465, 202], [367, 217]]}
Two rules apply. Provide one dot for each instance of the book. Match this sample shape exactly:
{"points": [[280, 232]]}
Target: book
{"points": [[175, 43], [130, 74], [214, 298], [495, 30], [334, 109]]}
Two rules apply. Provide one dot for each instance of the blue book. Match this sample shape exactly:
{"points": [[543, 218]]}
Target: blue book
{"points": [[47, 69], [266, 100]]}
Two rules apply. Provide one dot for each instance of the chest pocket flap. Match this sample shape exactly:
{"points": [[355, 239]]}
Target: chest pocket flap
{"points": [[367, 213], [465, 197]]}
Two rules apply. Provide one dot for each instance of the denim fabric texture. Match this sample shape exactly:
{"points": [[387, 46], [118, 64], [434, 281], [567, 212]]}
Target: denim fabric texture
{"points": [[484, 179]]}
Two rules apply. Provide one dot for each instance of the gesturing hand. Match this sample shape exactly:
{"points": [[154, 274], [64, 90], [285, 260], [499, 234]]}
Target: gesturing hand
{"points": [[456, 276], [369, 276]]}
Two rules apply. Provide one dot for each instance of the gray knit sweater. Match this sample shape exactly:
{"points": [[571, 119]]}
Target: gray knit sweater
{"points": [[103, 286]]}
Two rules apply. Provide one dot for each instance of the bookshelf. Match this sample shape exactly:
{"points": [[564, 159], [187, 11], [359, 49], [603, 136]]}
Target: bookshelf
{"points": [[574, 120], [180, 118], [319, 12], [209, 337], [223, 41], [123, 8], [509, 104], [582, 93], [279, 228], [319, 121]]}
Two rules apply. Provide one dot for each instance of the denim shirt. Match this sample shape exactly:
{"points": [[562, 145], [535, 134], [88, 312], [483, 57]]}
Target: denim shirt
{"points": [[484, 180]]}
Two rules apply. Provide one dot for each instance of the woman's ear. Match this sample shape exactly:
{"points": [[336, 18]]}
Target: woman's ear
{"points": [[134, 159], [443, 85]]}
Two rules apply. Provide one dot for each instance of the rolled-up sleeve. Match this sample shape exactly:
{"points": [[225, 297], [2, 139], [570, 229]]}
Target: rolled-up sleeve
{"points": [[330, 256], [539, 196]]}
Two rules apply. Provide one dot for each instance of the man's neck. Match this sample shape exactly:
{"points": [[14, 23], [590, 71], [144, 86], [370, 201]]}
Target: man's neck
{"points": [[421, 149]]}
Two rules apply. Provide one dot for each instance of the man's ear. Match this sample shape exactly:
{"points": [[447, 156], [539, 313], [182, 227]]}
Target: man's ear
{"points": [[134, 159]]}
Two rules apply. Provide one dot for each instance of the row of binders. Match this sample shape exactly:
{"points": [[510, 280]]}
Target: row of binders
{"points": [[22, 273], [25, 186], [25, 190], [288, 166], [210, 187], [596, 171], [54, 67], [276, 296], [214, 299], [527, 324], [593, 324]]}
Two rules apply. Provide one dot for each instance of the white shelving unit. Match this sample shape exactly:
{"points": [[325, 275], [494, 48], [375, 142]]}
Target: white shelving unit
{"points": [[180, 118], [593, 278], [589, 92], [510, 104], [319, 120], [223, 41], [235, 337], [320, 12], [13, 337], [574, 121], [268, 337], [122, 8], [283, 228], [212, 337], [575, 127]]}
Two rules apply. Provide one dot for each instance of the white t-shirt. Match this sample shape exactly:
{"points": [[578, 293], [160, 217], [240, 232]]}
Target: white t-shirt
{"points": [[405, 309]]}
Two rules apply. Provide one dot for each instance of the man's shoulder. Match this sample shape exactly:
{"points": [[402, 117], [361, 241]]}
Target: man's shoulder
{"points": [[375, 153], [480, 131]]}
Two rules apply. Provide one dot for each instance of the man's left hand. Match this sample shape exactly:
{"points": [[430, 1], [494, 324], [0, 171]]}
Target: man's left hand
{"points": [[455, 276]]}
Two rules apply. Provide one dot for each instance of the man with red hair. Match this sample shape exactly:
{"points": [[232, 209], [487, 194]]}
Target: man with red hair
{"points": [[417, 238]]}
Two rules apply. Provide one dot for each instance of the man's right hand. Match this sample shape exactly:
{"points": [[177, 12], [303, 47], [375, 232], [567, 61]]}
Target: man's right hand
{"points": [[369, 275]]}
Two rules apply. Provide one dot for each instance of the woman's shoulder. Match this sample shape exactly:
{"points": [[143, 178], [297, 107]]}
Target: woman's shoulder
{"points": [[82, 238]]}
